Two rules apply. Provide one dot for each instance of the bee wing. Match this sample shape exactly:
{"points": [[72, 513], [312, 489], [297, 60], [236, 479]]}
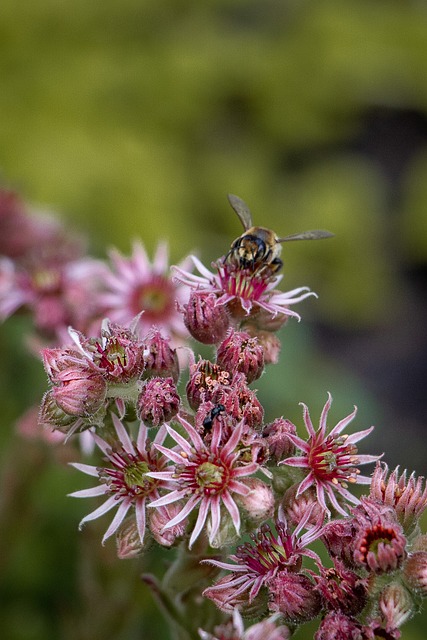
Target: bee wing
{"points": [[317, 234], [242, 210]]}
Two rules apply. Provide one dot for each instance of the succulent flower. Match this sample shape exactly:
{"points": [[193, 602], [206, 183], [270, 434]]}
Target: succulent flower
{"points": [[126, 481], [204, 477], [330, 458]]}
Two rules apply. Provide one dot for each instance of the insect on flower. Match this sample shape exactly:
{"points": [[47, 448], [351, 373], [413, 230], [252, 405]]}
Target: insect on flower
{"points": [[259, 248]]}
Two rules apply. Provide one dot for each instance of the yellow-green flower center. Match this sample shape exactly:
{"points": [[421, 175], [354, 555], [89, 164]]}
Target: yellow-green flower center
{"points": [[136, 479], [210, 477]]}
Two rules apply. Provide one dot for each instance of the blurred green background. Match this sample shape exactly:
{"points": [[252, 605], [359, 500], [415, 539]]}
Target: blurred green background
{"points": [[135, 118]]}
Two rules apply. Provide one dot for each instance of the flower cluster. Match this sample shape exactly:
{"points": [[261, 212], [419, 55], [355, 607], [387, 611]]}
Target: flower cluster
{"points": [[184, 456]]}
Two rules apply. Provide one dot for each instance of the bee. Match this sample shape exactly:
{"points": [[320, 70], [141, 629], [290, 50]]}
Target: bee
{"points": [[259, 248]]}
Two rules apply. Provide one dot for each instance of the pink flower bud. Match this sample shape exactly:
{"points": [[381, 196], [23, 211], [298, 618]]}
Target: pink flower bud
{"points": [[415, 572], [240, 352], [396, 605], [51, 415], [276, 433], [294, 596], [295, 508], [206, 320], [270, 343], [159, 518], [158, 402], [128, 540], [338, 626], [259, 503], [160, 359], [82, 392]]}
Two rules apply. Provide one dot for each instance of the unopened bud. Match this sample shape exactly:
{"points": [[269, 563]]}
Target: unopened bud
{"points": [[270, 343], [337, 626], [259, 502], [240, 352], [205, 319], [294, 596], [415, 572], [396, 605], [82, 392], [276, 433], [158, 519], [128, 540], [158, 402], [160, 359]]}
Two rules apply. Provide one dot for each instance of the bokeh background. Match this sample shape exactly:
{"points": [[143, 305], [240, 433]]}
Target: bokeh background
{"points": [[135, 118]]}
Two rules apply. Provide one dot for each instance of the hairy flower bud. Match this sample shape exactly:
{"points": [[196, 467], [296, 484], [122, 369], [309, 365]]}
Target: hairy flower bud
{"points": [[415, 572], [294, 596], [259, 503], [295, 508], [276, 433], [158, 401], [269, 342], [159, 518], [337, 626], [128, 540], [396, 605], [160, 359], [51, 415], [240, 352], [82, 392], [206, 320]]}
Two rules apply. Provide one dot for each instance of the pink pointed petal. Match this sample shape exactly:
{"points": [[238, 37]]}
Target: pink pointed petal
{"points": [[183, 513], [173, 496], [215, 517], [299, 442], [100, 490], [343, 423], [307, 420], [200, 522], [320, 493], [201, 268], [161, 475], [117, 520], [160, 435], [359, 435], [123, 435], [334, 501], [348, 496], [183, 443], [247, 470], [104, 446], [140, 518], [194, 435], [104, 508], [367, 459], [295, 462], [324, 416], [233, 510], [305, 484], [86, 468], [171, 454], [161, 258], [142, 437]]}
